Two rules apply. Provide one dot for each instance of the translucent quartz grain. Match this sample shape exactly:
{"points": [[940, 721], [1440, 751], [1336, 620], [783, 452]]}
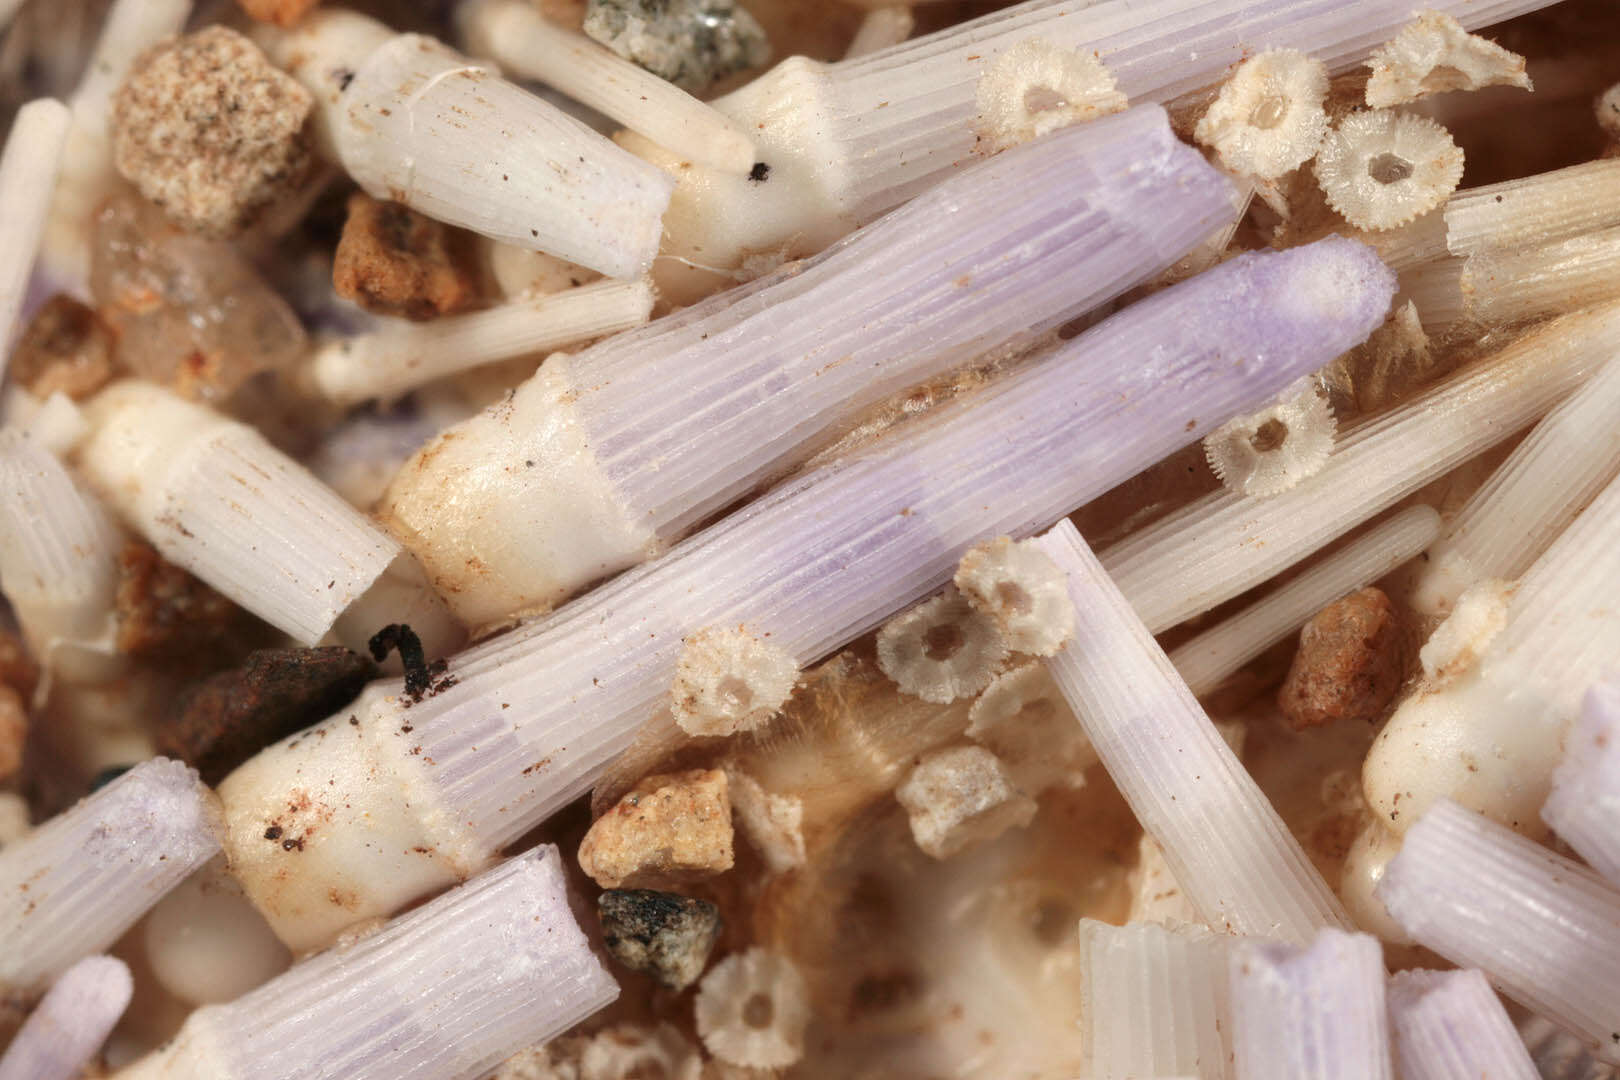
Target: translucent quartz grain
{"points": [[608, 456], [1206, 553], [413, 121], [28, 170], [537, 714], [75, 884], [1450, 1025], [189, 312], [848, 141], [87, 175], [1489, 736], [66, 1029], [1584, 807], [1213, 655], [1543, 927], [58, 561], [1311, 1012], [1224, 842], [446, 992], [1557, 470], [1154, 1001]]}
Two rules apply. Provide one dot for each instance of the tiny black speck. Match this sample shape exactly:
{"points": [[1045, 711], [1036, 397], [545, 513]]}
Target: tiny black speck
{"points": [[760, 173]]}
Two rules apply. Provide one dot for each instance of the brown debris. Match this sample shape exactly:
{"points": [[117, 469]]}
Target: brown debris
{"points": [[668, 828], [221, 722], [209, 130], [1349, 663], [280, 12], [394, 261], [65, 347], [165, 613], [13, 731], [17, 668]]}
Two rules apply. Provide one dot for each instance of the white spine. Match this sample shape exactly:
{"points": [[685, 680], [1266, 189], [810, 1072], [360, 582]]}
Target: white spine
{"points": [[65, 1030], [215, 498], [1311, 1012], [402, 356], [881, 28], [1213, 655], [75, 884], [628, 445], [1450, 1025], [446, 992], [849, 140], [514, 34], [1534, 210], [535, 716], [1510, 285], [28, 170], [1566, 460], [1543, 927], [1226, 845], [1205, 554], [1153, 1001], [413, 121], [58, 559], [1490, 734], [1584, 807]]}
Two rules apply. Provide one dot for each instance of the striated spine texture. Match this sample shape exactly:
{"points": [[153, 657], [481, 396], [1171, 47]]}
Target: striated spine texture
{"points": [[1584, 807], [532, 718], [1224, 842], [75, 884], [1450, 1025], [654, 431], [446, 992], [1311, 1012], [1543, 927]]}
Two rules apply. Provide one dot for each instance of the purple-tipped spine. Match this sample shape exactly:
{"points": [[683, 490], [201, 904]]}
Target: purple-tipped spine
{"points": [[1584, 807], [1544, 928], [1450, 1025], [70, 1023]]}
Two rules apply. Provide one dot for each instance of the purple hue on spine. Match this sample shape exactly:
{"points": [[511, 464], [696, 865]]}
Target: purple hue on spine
{"points": [[1584, 808], [830, 555]]}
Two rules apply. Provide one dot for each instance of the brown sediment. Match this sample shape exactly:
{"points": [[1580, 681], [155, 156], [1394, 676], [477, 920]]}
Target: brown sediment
{"points": [[393, 261], [669, 828], [65, 347], [280, 12], [1349, 663], [167, 615], [221, 722]]}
